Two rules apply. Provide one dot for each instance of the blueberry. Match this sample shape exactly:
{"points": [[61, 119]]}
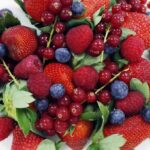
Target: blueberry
{"points": [[2, 50], [77, 8], [117, 116], [62, 55], [57, 91], [119, 89], [148, 14], [146, 114], [109, 50], [4, 11], [41, 105]]}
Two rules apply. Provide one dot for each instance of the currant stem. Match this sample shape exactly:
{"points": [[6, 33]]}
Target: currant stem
{"points": [[110, 81], [9, 72]]}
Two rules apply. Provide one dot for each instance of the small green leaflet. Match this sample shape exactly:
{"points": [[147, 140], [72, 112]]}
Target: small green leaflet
{"points": [[21, 4], [85, 59], [59, 144], [46, 145], [126, 32], [90, 116], [97, 17], [46, 29], [137, 85], [2, 111], [113, 2], [113, 142]]}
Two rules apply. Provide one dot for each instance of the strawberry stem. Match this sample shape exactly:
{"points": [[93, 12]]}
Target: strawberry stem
{"points": [[110, 81], [9, 72]]}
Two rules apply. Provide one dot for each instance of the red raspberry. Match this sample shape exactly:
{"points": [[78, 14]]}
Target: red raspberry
{"points": [[104, 97], [58, 40], [125, 76], [100, 28], [112, 67], [107, 16], [64, 101], [104, 76], [52, 109], [47, 53], [113, 40], [116, 31], [116, 8]]}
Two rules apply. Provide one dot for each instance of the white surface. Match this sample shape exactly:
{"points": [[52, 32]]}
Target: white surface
{"points": [[6, 144]]}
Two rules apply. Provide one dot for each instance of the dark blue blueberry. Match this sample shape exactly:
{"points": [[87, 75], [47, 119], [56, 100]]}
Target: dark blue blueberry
{"points": [[77, 8], [3, 50], [41, 105], [109, 50], [57, 91], [62, 55], [146, 114], [117, 116], [148, 13], [119, 89], [4, 11]]}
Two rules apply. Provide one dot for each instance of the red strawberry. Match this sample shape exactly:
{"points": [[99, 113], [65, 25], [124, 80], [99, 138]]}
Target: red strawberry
{"points": [[140, 23], [93, 5], [6, 126], [134, 129], [60, 73], [35, 8], [80, 135], [79, 38], [141, 70], [20, 142], [21, 41], [132, 104], [132, 48], [28, 66]]}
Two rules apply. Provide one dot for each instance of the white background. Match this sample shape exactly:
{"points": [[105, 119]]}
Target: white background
{"points": [[6, 144]]}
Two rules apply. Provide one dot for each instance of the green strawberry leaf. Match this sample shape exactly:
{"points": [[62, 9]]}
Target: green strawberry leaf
{"points": [[2, 26], [85, 59], [113, 2], [126, 32], [46, 29], [46, 145], [2, 111], [21, 4], [97, 17], [93, 146], [113, 142], [59, 144], [137, 85]]}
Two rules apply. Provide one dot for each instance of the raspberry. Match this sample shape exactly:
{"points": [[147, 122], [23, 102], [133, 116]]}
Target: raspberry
{"points": [[116, 8], [52, 109], [47, 53], [113, 40], [47, 18], [100, 28], [104, 97]]}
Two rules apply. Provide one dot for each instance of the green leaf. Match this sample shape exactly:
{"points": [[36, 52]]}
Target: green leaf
{"points": [[126, 32], [113, 2], [2, 111], [113, 142], [93, 146], [46, 29], [2, 26], [59, 145], [21, 4], [137, 85], [46, 145], [90, 116]]}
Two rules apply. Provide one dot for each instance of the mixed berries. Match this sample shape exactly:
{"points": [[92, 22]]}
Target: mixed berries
{"points": [[73, 65]]}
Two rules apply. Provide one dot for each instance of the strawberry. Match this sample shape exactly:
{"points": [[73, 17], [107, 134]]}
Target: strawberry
{"points": [[79, 136], [134, 129], [6, 126], [140, 23], [60, 73], [35, 8], [21, 41], [93, 5], [22, 142], [141, 70]]}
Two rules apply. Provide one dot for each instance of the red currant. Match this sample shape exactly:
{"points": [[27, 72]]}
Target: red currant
{"points": [[55, 6], [60, 126], [117, 20], [125, 76], [104, 76], [104, 97], [43, 39], [107, 16], [52, 109], [66, 14], [73, 120], [96, 47], [66, 2], [51, 132], [100, 28], [113, 40], [64, 101], [47, 18], [116, 31], [58, 40], [116, 8], [47, 53], [99, 36], [60, 27], [91, 97], [78, 95], [126, 7], [63, 113], [112, 67], [76, 109]]}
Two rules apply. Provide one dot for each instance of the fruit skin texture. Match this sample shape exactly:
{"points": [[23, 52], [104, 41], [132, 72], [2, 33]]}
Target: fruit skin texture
{"points": [[80, 135], [76, 42], [35, 8], [93, 5], [132, 104], [39, 84], [60, 73], [28, 66], [134, 130], [6, 126], [132, 49], [139, 23], [141, 70], [21, 41], [20, 142], [85, 77]]}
